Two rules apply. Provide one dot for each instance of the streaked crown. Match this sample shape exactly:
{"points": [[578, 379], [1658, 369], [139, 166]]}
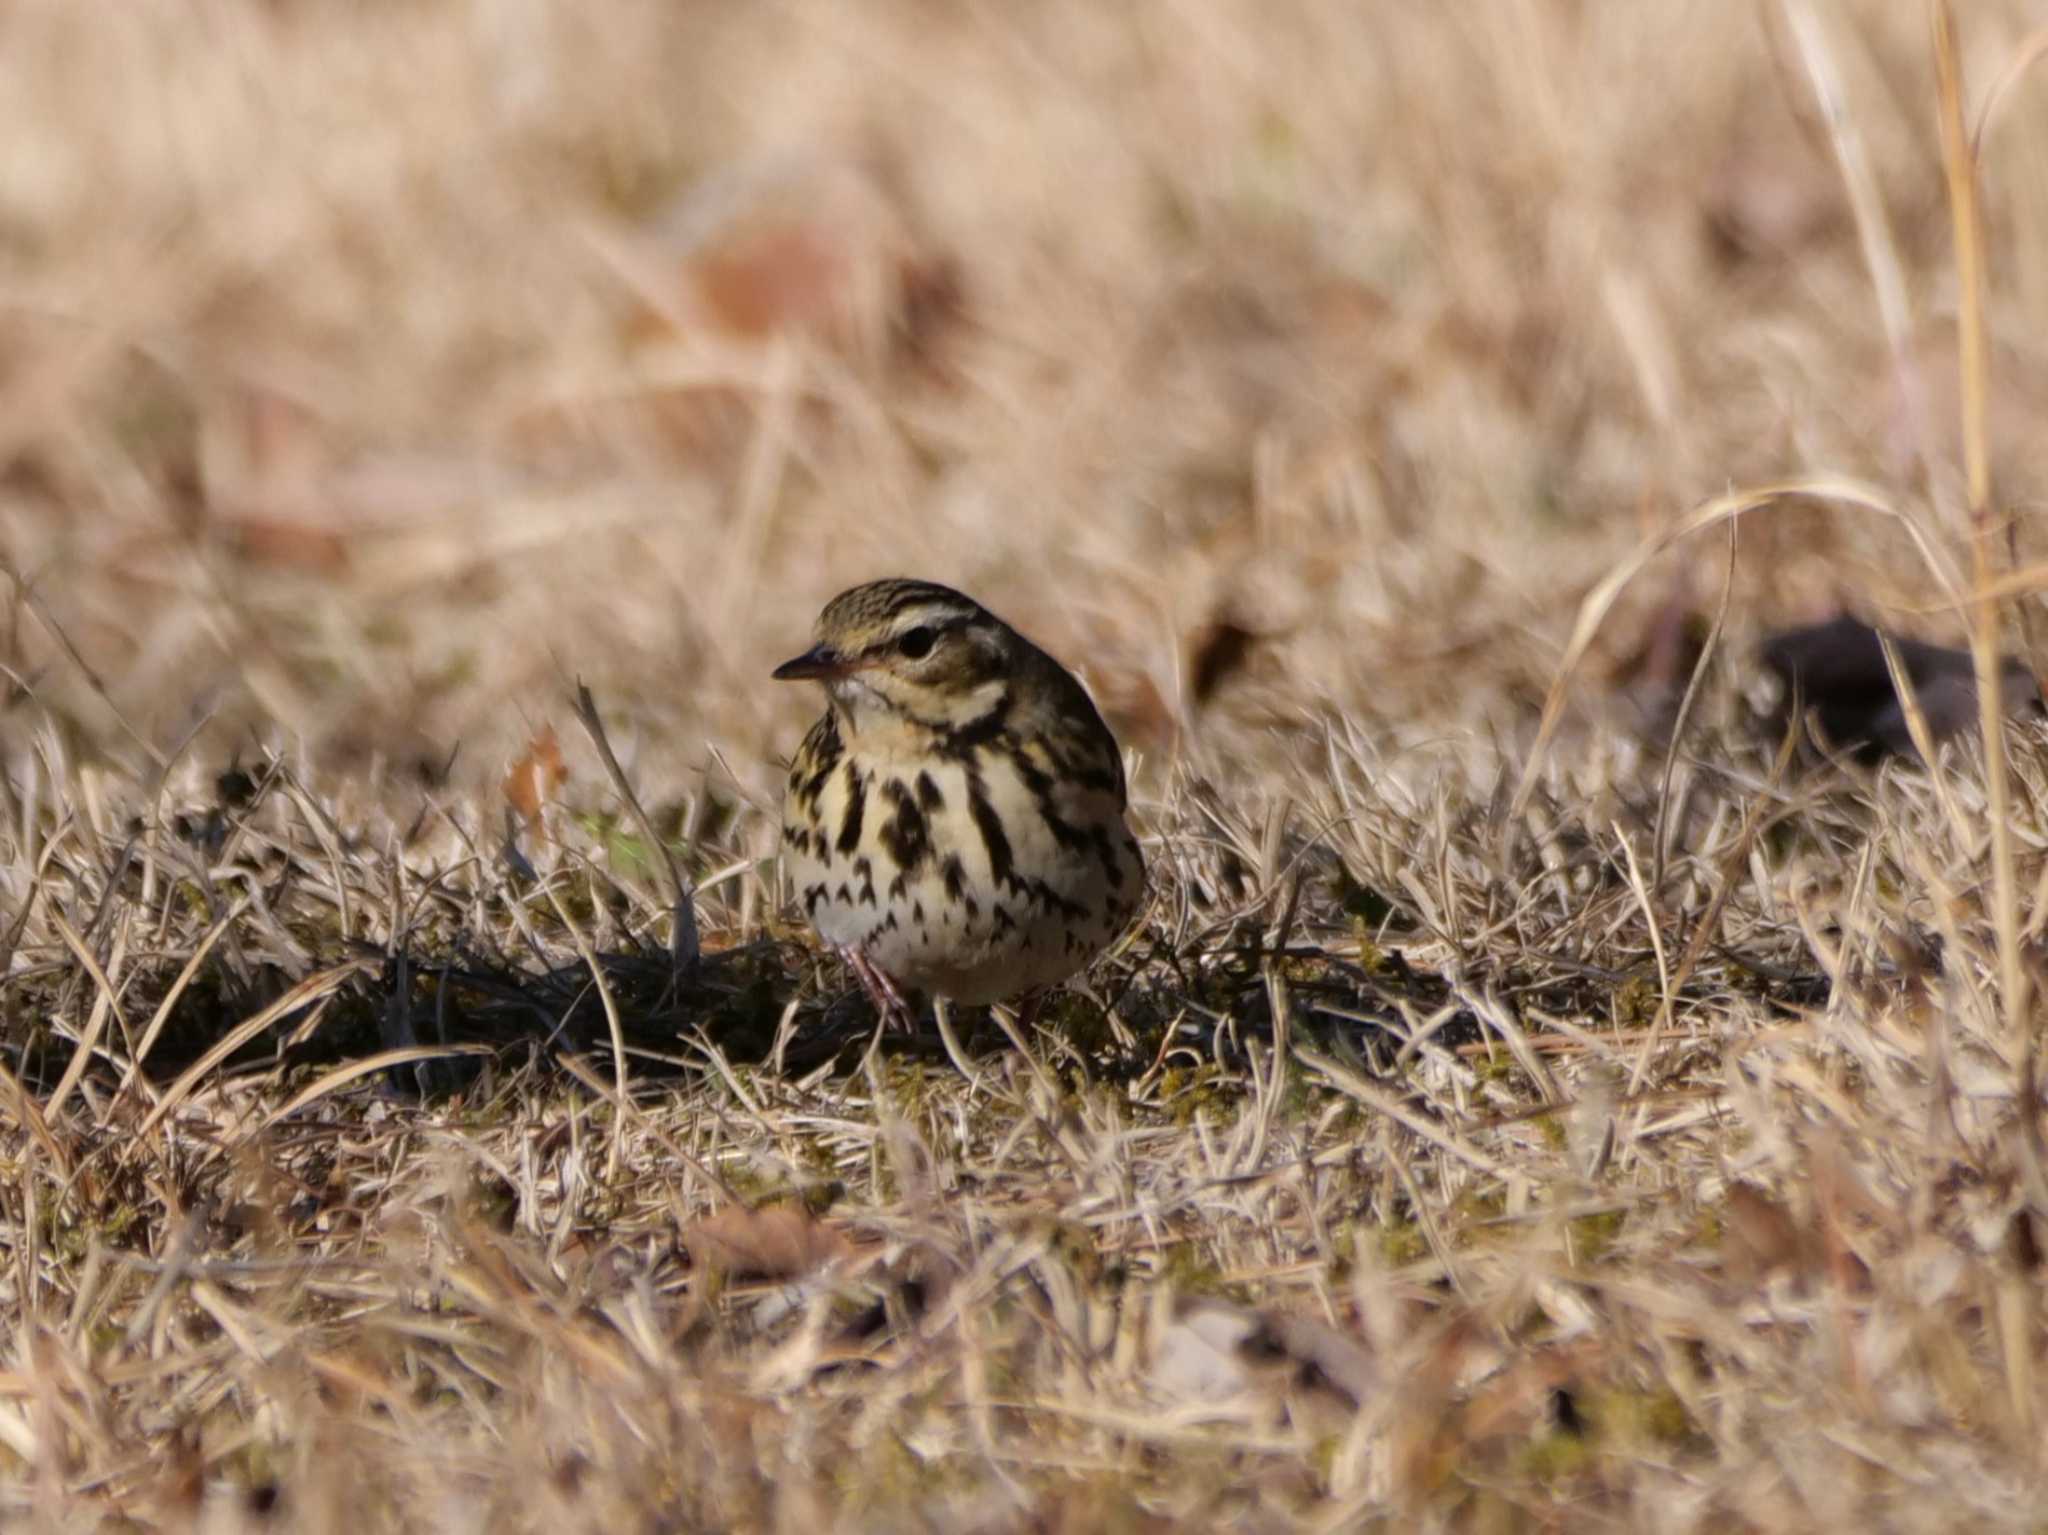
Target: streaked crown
{"points": [[916, 649]]}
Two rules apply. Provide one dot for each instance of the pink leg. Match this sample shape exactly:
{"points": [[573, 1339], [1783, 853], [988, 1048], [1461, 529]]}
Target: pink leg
{"points": [[880, 989]]}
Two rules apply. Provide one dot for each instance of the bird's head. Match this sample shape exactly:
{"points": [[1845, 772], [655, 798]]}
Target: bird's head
{"points": [[920, 653]]}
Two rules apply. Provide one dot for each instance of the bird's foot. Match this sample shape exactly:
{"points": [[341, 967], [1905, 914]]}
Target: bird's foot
{"points": [[882, 991]]}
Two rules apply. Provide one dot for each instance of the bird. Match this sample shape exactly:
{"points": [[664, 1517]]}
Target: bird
{"points": [[1837, 670], [954, 823]]}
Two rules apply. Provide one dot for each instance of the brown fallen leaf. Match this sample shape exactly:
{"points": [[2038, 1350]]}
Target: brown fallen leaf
{"points": [[1758, 1235], [1536, 1390], [813, 246], [536, 775], [773, 277], [1761, 1239], [292, 545], [777, 1241]]}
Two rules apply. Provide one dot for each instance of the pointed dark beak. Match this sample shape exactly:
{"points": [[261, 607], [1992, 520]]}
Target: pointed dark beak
{"points": [[820, 662]]}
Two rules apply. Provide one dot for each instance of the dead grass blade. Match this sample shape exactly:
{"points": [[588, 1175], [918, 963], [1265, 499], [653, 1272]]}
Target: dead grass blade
{"points": [[1352, 1085], [611, 1014], [1873, 227], [1683, 717], [314, 989], [1960, 169], [133, 1078], [104, 1004], [684, 946], [355, 1071], [31, 1115], [1593, 609]]}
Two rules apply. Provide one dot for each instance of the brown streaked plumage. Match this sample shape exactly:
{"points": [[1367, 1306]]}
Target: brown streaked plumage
{"points": [[955, 820]]}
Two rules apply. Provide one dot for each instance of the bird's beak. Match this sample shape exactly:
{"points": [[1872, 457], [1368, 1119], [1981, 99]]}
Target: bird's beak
{"points": [[820, 662]]}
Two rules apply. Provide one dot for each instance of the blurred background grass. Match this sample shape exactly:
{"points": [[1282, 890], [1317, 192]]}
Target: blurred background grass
{"points": [[369, 371]]}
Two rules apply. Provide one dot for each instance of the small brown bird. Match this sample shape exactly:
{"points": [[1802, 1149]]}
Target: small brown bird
{"points": [[955, 820]]}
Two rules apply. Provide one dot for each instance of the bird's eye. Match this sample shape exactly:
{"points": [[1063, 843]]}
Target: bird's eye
{"points": [[917, 643]]}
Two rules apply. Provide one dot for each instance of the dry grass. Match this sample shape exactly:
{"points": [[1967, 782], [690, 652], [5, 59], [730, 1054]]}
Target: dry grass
{"points": [[1497, 1120]]}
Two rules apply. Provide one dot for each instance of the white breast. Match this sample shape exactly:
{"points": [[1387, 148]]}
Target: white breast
{"points": [[968, 882]]}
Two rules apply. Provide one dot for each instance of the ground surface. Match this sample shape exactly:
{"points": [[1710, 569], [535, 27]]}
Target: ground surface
{"points": [[1504, 1116]]}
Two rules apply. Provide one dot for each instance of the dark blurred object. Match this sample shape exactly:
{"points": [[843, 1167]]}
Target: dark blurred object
{"points": [[1219, 652], [1837, 671]]}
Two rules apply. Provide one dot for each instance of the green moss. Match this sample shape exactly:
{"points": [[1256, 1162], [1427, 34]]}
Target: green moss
{"points": [[818, 1198], [1350, 1122], [1304, 969], [1184, 1094], [1593, 1236], [1643, 1417], [1190, 1270], [254, 1465], [1496, 1066], [1080, 1021], [1481, 1203], [1403, 1242], [1531, 1323], [1636, 1002], [493, 1201], [1366, 907], [625, 849], [885, 1471], [1343, 1253], [1666, 1420], [750, 1187], [1322, 1457], [1555, 1456], [1073, 1245], [62, 1232], [577, 899]]}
